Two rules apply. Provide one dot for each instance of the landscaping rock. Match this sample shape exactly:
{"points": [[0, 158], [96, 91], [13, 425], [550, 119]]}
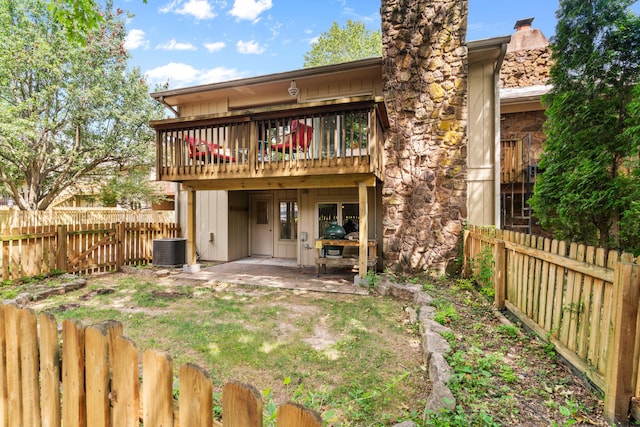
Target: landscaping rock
{"points": [[439, 369], [433, 343], [22, 299], [440, 398], [404, 292]]}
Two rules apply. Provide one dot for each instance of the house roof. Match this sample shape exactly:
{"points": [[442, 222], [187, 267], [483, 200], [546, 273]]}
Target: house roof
{"points": [[277, 82], [480, 50]]}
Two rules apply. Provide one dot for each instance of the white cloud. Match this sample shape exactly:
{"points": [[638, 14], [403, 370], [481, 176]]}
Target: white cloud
{"points": [[169, 7], [181, 75], [135, 39], [215, 46], [199, 9], [219, 74], [250, 9], [250, 47], [174, 45]]}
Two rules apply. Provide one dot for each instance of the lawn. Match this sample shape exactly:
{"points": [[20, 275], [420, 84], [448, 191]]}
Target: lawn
{"points": [[357, 360]]}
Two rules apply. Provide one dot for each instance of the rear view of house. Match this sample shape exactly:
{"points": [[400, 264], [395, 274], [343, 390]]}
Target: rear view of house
{"points": [[266, 164]]}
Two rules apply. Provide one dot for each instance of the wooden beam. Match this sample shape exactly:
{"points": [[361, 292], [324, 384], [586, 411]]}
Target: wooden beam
{"points": [[191, 227], [278, 183], [364, 233]]}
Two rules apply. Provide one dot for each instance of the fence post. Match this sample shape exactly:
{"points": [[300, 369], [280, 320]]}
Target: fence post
{"points": [[619, 379], [6, 261], [120, 235], [61, 261], [499, 273], [466, 253]]}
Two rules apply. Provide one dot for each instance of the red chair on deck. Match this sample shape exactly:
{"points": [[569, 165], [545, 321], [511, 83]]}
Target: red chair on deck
{"points": [[299, 139], [206, 152]]}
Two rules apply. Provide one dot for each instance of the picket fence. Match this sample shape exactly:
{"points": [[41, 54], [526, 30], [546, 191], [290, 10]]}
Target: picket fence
{"points": [[79, 248], [90, 376], [583, 300]]}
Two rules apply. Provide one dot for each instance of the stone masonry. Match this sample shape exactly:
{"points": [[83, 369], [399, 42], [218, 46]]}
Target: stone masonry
{"points": [[425, 85]]}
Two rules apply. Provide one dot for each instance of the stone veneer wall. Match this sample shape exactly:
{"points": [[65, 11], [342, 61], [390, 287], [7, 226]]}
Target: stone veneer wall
{"points": [[525, 67], [425, 85]]}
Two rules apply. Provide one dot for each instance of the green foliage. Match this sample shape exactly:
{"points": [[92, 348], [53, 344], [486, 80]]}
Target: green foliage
{"points": [[586, 190], [79, 17], [349, 43], [510, 331], [70, 114], [482, 271], [372, 279], [131, 189], [445, 312]]}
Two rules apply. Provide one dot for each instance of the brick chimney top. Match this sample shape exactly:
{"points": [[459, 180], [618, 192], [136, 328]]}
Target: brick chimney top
{"points": [[523, 24], [526, 38]]}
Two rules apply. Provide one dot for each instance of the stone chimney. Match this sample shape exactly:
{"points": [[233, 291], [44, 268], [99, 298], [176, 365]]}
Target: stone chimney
{"points": [[528, 58], [424, 194]]}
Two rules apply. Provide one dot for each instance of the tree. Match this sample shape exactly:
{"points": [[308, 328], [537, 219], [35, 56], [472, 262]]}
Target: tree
{"points": [[67, 109], [345, 44], [587, 184], [78, 17], [132, 189]]}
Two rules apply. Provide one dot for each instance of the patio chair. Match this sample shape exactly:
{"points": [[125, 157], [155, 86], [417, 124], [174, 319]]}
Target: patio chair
{"points": [[206, 152], [299, 139]]}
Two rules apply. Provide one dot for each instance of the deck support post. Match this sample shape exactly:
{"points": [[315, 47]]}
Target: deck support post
{"points": [[363, 202], [192, 265]]}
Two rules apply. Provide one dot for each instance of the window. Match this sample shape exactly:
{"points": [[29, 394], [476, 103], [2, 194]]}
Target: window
{"points": [[346, 214], [288, 220]]}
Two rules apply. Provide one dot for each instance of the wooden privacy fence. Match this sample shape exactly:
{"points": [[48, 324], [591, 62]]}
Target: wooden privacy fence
{"points": [[91, 377], [581, 299], [14, 218], [82, 248]]}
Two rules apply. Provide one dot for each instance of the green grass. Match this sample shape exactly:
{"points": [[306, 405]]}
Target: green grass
{"points": [[360, 375]]}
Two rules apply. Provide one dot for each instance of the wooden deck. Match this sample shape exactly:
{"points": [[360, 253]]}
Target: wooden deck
{"points": [[243, 149]]}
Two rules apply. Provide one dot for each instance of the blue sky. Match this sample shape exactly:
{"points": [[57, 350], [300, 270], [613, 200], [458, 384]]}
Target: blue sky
{"points": [[192, 42]]}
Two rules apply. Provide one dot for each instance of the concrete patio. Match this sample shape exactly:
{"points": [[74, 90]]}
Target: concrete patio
{"points": [[279, 273]]}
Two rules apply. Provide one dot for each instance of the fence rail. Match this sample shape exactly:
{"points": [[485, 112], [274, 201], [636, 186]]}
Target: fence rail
{"points": [[583, 300], [90, 376], [80, 248]]}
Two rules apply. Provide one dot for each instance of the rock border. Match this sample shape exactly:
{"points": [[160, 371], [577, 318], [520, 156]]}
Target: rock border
{"points": [[44, 292], [434, 346]]}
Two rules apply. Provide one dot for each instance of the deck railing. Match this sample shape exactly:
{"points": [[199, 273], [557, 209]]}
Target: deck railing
{"points": [[295, 142]]}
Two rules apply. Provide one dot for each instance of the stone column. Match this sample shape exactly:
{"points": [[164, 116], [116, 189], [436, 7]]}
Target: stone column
{"points": [[425, 89]]}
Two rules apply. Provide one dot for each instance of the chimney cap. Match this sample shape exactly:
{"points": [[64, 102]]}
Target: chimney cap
{"points": [[523, 23]]}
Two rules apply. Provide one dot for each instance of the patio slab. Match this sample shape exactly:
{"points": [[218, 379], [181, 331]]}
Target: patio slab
{"points": [[279, 273]]}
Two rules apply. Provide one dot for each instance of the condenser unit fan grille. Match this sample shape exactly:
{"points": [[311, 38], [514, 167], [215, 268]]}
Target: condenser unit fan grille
{"points": [[169, 252]]}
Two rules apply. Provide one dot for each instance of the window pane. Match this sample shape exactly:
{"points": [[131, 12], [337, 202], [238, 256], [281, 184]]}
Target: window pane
{"points": [[288, 220], [262, 212], [350, 217], [327, 212]]}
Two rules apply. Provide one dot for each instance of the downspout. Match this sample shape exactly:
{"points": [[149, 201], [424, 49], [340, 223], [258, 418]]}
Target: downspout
{"points": [[170, 107], [496, 161], [176, 207]]}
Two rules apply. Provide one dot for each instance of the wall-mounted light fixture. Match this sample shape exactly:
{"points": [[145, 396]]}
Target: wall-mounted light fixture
{"points": [[293, 89]]}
